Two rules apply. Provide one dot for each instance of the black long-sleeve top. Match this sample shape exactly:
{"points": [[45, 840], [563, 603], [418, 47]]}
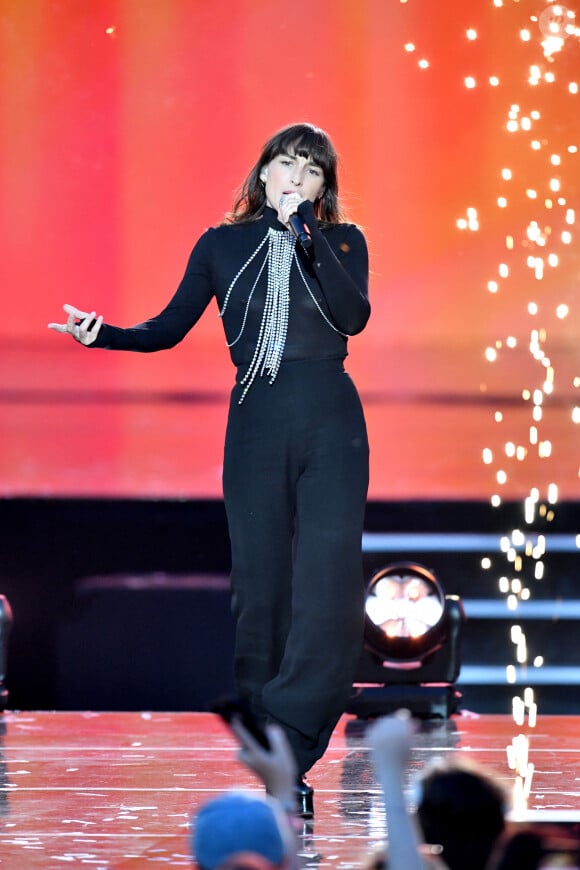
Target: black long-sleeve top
{"points": [[337, 275]]}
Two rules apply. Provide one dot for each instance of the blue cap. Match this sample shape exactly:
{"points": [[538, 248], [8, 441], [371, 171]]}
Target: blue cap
{"points": [[237, 822]]}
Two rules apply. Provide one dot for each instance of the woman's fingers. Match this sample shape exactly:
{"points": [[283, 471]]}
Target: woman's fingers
{"points": [[82, 331], [74, 314], [70, 321], [288, 205], [94, 330], [84, 326], [58, 327]]}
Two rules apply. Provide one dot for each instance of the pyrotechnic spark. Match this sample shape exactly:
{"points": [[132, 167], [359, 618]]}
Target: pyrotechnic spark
{"points": [[534, 252]]}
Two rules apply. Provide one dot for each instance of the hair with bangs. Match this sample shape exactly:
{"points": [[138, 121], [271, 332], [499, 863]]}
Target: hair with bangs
{"points": [[302, 140]]}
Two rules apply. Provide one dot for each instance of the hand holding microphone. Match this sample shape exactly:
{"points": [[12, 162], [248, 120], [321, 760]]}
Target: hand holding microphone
{"points": [[288, 213]]}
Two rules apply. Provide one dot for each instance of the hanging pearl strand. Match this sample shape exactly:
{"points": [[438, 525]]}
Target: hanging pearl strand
{"points": [[245, 317], [274, 326]]}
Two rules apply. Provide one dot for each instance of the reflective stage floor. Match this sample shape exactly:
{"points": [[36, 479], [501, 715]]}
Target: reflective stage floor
{"points": [[117, 790]]}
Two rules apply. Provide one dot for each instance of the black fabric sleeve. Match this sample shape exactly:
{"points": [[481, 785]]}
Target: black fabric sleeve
{"points": [[181, 313], [342, 273]]}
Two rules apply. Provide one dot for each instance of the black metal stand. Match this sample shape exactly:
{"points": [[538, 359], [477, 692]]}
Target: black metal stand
{"points": [[422, 700]]}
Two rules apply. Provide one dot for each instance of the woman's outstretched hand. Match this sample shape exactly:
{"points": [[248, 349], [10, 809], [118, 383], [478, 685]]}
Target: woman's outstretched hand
{"points": [[84, 326]]}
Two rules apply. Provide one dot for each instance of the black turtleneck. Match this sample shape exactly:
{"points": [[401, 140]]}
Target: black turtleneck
{"points": [[336, 272]]}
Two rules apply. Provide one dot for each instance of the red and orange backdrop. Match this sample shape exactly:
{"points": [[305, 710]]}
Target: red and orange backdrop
{"points": [[125, 129]]}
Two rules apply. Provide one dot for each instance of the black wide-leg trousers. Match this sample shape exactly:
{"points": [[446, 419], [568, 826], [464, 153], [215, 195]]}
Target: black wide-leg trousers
{"points": [[295, 485]]}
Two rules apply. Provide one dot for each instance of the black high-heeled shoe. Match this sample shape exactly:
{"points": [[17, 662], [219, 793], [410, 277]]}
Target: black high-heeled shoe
{"points": [[304, 798]]}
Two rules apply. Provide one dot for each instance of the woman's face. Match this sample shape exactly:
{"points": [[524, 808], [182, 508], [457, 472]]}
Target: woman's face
{"points": [[292, 173]]}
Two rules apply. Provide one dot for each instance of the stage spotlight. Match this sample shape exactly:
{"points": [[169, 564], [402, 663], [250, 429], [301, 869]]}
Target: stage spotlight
{"points": [[411, 654]]}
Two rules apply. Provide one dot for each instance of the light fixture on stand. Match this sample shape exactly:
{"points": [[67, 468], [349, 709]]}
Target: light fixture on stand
{"points": [[411, 655]]}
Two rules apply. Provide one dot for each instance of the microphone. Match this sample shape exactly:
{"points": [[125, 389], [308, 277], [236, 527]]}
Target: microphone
{"points": [[297, 226]]}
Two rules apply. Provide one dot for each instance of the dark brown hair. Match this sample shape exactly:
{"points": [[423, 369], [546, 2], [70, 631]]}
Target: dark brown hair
{"points": [[461, 807], [303, 140]]}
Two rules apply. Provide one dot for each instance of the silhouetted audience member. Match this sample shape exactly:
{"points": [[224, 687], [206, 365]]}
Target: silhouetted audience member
{"points": [[461, 807]]}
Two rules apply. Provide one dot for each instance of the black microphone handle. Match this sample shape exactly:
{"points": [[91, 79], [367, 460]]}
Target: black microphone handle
{"points": [[296, 224]]}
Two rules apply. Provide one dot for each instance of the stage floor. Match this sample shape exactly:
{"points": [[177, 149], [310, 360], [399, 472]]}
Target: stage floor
{"points": [[117, 790]]}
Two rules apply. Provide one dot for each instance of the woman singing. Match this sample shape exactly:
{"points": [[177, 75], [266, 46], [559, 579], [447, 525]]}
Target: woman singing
{"points": [[295, 470]]}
